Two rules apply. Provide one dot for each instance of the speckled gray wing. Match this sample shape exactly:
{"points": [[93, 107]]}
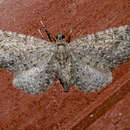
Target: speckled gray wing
{"points": [[88, 78], [106, 49], [97, 54], [36, 79], [28, 58]]}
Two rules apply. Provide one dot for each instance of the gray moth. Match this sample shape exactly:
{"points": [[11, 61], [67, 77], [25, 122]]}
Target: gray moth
{"points": [[84, 63]]}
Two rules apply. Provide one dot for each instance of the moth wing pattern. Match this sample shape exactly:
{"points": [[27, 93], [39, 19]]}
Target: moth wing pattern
{"points": [[28, 58], [36, 79], [97, 53], [106, 49], [88, 78]]}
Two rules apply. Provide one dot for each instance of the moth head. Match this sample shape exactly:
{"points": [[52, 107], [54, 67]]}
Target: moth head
{"points": [[60, 37]]}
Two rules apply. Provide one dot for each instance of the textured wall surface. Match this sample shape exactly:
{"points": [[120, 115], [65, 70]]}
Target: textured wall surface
{"points": [[54, 109]]}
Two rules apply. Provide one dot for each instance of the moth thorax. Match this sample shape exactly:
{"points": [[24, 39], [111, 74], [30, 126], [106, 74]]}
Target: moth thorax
{"points": [[62, 52]]}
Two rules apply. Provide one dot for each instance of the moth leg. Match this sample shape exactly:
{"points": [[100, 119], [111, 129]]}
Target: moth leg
{"points": [[47, 32], [69, 37]]}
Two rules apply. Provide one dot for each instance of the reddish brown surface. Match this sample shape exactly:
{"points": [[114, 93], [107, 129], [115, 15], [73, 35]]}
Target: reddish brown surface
{"points": [[55, 109], [117, 118]]}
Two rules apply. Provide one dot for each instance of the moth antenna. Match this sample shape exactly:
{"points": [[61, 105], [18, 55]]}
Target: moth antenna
{"points": [[71, 30], [70, 34], [47, 32], [41, 33], [43, 25]]}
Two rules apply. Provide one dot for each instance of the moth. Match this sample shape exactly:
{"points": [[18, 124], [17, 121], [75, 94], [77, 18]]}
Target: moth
{"points": [[85, 63]]}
